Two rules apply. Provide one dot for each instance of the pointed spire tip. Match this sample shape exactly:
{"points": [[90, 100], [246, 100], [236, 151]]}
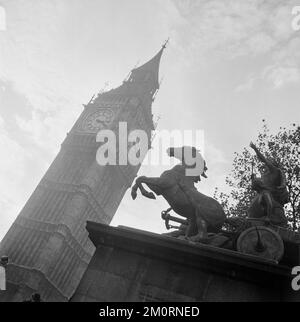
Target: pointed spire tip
{"points": [[164, 46]]}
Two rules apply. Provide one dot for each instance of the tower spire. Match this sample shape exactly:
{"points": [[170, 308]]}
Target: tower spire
{"points": [[164, 46], [150, 70]]}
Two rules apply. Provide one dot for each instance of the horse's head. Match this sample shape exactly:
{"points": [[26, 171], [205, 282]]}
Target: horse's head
{"points": [[191, 159]]}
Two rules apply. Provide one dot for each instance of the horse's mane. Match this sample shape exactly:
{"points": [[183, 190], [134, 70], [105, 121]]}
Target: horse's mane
{"points": [[182, 154]]}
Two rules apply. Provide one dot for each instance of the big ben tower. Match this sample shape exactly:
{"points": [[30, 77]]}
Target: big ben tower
{"points": [[48, 245]]}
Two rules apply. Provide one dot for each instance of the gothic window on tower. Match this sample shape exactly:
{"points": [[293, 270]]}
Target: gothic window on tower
{"points": [[104, 187]]}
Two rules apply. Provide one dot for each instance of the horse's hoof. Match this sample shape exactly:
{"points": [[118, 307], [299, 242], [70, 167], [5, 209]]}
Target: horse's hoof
{"points": [[198, 239], [133, 195], [191, 239], [151, 195]]}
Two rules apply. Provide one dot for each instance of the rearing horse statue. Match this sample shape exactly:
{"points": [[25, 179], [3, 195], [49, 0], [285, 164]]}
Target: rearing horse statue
{"points": [[203, 213]]}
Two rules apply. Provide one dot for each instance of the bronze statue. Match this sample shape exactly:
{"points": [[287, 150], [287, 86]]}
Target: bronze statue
{"points": [[271, 190], [204, 213]]}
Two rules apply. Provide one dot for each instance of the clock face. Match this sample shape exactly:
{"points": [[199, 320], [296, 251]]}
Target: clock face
{"points": [[98, 120]]}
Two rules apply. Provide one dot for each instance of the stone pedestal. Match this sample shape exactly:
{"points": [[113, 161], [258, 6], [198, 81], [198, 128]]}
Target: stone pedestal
{"points": [[134, 265]]}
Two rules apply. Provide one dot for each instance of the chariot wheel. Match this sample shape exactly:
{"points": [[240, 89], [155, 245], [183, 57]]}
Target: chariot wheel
{"points": [[261, 241]]}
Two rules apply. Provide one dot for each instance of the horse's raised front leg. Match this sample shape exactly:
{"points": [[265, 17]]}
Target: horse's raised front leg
{"points": [[139, 186], [157, 185], [134, 190], [147, 181]]}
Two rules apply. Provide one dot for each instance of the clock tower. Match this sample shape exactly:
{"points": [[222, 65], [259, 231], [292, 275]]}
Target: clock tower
{"points": [[48, 245]]}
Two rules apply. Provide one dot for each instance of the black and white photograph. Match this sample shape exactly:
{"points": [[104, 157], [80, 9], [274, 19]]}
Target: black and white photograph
{"points": [[149, 153]]}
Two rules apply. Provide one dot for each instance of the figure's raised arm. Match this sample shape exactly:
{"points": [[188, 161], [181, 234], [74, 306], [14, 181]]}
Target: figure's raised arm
{"points": [[261, 157]]}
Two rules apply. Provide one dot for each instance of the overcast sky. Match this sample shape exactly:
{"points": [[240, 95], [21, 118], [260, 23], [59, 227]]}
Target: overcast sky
{"points": [[229, 64]]}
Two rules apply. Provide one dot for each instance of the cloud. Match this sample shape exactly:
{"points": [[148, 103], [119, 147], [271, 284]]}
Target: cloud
{"points": [[13, 160], [285, 66], [280, 76], [236, 27], [215, 155], [33, 59], [227, 28], [230, 29], [277, 75], [247, 86], [46, 130]]}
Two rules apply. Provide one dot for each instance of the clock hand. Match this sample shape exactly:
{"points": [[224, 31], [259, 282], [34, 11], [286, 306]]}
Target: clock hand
{"points": [[101, 122]]}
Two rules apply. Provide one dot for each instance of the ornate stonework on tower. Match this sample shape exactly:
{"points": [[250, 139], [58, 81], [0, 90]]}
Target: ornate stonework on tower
{"points": [[48, 245]]}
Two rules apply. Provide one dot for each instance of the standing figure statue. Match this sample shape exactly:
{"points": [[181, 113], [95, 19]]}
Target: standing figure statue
{"points": [[272, 193], [177, 186]]}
